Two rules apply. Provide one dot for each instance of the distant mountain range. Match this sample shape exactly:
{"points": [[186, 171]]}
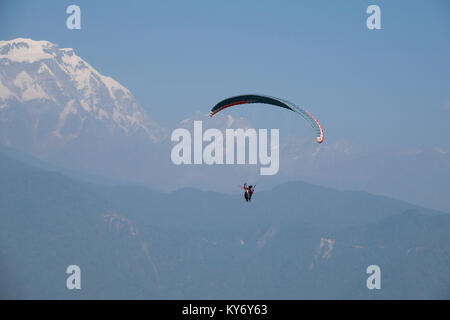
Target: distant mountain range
{"points": [[57, 107], [133, 242]]}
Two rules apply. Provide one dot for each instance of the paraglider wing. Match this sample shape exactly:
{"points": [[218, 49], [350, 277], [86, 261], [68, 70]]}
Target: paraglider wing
{"points": [[254, 98]]}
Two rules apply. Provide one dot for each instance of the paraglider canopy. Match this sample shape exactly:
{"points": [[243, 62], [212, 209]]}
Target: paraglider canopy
{"points": [[255, 98]]}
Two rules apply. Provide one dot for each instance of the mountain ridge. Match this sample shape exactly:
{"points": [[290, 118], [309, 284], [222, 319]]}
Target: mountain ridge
{"points": [[132, 242]]}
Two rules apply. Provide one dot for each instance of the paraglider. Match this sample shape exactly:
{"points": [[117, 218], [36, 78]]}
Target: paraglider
{"points": [[263, 99], [254, 98], [248, 191]]}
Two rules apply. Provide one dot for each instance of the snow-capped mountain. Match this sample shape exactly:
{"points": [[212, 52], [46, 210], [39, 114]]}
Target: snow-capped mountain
{"points": [[57, 107], [59, 96]]}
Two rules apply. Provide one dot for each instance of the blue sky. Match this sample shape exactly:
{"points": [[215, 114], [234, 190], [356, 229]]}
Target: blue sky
{"points": [[382, 88]]}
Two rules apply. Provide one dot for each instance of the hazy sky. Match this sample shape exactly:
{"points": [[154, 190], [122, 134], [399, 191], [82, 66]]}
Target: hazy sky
{"points": [[388, 87]]}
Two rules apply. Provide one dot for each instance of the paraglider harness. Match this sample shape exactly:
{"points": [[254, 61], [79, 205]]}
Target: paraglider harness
{"points": [[248, 192]]}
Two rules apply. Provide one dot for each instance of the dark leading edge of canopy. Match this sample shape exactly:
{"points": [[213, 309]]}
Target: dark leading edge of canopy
{"points": [[248, 98]]}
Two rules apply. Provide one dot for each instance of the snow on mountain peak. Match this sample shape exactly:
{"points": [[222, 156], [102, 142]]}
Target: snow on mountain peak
{"points": [[25, 50], [41, 71], [30, 51]]}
